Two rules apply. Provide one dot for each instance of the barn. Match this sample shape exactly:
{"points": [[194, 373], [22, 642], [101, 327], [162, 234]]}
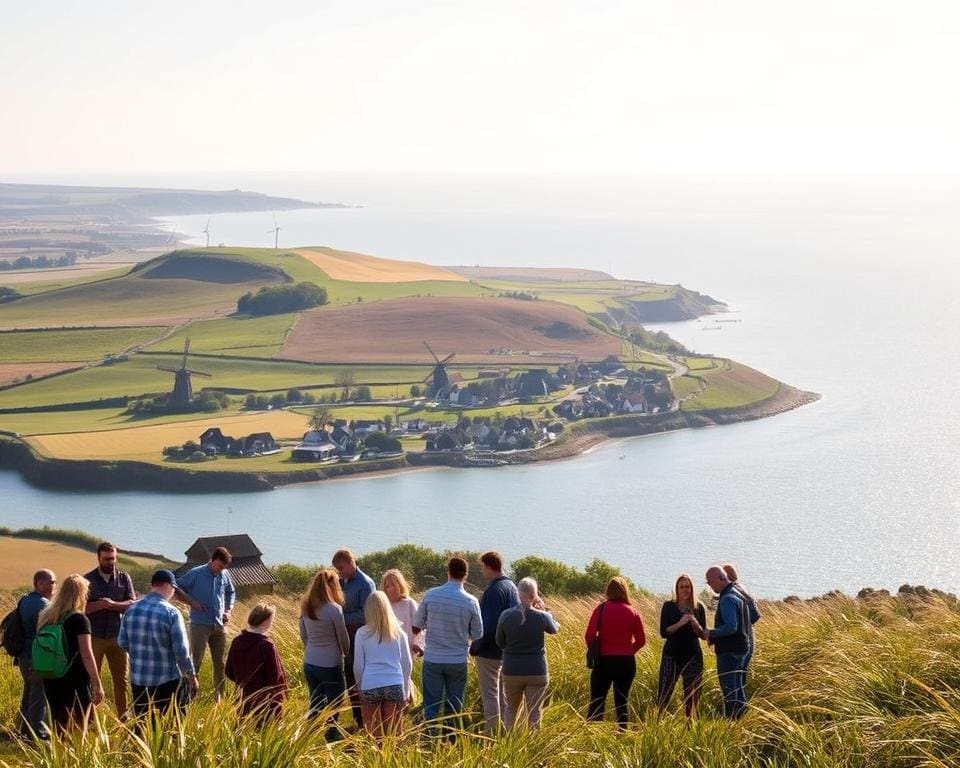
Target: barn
{"points": [[250, 576]]}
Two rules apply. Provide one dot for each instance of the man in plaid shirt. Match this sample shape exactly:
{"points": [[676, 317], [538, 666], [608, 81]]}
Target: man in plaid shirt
{"points": [[153, 633]]}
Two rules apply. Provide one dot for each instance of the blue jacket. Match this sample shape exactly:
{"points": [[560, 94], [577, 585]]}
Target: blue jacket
{"points": [[732, 623], [30, 607], [356, 590], [499, 595]]}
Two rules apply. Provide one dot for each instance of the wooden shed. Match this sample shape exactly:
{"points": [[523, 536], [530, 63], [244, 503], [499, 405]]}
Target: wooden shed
{"points": [[249, 574]]}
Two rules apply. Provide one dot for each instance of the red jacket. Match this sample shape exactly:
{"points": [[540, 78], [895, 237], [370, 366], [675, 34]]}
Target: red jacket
{"points": [[621, 629], [254, 664]]}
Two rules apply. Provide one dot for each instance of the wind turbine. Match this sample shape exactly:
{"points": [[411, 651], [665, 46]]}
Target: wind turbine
{"points": [[206, 231], [276, 233]]}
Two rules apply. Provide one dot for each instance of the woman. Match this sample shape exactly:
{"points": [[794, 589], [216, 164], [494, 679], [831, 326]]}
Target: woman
{"points": [[395, 587], [682, 623], [254, 665], [731, 570], [382, 665], [620, 629], [325, 643], [71, 697], [520, 633]]}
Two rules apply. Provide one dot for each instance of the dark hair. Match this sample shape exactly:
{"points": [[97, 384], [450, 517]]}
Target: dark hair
{"points": [[105, 546], [492, 560], [457, 568], [343, 555], [222, 554], [617, 590]]}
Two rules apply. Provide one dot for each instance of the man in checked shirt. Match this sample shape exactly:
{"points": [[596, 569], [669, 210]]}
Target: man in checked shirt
{"points": [[153, 633]]}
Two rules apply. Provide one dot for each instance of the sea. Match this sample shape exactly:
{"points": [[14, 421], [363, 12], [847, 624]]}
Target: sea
{"points": [[846, 287]]}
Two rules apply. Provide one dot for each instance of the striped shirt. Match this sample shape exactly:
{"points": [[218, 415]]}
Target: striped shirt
{"points": [[452, 617], [152, 632]]}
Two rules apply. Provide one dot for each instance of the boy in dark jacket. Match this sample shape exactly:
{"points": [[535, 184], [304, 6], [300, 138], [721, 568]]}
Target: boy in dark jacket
{"points": [[254, 665]]}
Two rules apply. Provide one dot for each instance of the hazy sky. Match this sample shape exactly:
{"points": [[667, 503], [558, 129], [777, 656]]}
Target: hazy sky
{"points": [[676, 86]]}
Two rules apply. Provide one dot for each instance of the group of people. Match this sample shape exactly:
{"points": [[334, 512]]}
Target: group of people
{"points": [[360, 642]]}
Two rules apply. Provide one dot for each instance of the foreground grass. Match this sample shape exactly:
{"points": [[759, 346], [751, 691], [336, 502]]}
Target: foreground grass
{"points": [[836, 682]]}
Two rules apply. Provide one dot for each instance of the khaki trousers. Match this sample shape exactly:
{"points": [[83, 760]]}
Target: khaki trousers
{"points": [[491, 691], [528, 691], [117, 661], [202, 635]]}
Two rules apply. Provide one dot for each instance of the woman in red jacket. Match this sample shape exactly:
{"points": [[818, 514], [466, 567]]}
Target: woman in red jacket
{"points": [[620, 629], [254, 665]]}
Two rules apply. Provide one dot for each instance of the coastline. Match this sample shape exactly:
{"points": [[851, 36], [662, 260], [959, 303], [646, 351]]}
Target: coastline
{"points": [[579, 439]]}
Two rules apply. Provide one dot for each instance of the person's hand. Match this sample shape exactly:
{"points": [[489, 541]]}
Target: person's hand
{"points": [[198, 606], [195, 684], [417, 650], [539, 604], [98, 695], [226, 616]]}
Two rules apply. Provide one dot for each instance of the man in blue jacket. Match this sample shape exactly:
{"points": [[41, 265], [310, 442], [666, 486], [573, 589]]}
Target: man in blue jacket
{"points": [[500, 594], [33, 705], [729, 639]]}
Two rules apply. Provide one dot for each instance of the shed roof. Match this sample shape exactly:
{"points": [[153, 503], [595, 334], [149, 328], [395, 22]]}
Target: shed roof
{"points": [[240, 545]]}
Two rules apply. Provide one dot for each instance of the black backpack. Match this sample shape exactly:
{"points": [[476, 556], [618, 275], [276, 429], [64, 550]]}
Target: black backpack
{"points": [[12, 634]]}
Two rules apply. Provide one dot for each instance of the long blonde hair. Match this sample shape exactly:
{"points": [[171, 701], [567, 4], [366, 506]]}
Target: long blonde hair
{"points": [[379, 617], [695, 603], [71, 596], [324, 588], [398, 578]]}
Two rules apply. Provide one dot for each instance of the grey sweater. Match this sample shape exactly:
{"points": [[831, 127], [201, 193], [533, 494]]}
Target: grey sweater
{"points": [[325, 638], [522, 641]]}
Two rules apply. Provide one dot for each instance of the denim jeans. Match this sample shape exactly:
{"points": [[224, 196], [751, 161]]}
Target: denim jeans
{"points": [[33, 705], [326, 686], [444, 684], [732, 675]]}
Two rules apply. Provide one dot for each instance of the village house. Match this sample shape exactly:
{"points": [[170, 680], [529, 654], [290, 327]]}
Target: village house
{"points": [[315, 446], [633, 402], [364, 427], [256, 444], [214, 443], [250, 576]]}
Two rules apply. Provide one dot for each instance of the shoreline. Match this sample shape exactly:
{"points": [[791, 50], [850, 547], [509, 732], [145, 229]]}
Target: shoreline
{"points": [[580, 438]]}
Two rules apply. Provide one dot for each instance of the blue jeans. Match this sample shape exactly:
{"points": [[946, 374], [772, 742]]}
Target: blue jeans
{"points": [[33, 705], [732, 673], [327, 686], [446, 684]]}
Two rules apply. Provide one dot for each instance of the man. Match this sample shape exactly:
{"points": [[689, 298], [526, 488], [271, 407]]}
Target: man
{"points": [[210, 593], [357, 587], [500, 594], [453, 619], [729, 639], [33, 704], [111, 593], [152, 632]]}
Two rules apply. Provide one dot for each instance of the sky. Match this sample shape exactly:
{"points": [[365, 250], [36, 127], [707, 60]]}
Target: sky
{"points": [[688, 86]]}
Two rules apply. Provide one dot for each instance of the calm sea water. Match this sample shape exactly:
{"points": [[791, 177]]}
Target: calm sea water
{"points": [[847, 290]]}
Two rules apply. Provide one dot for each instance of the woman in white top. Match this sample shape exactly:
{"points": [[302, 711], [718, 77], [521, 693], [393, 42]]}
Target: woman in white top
{"points": [[382, 666], [404, 607]]}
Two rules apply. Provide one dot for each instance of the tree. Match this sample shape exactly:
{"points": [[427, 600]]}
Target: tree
{"points": [[272, 300], [380, 441], [278, 400], [388, 422], [416, 390], [320, 418], [294, 396], [251, 402], [362, 392], [344, 379]]}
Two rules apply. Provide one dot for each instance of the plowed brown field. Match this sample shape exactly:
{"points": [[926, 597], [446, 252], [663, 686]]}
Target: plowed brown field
{"points": [[361, 268], [478, 330], [13, 372]]}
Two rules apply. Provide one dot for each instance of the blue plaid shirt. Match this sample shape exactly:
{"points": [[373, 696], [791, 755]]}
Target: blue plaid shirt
{"points": [[152, 632]]}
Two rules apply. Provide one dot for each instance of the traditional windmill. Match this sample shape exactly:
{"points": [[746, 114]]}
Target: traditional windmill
{"points": [[439, 381], [182, 394]]}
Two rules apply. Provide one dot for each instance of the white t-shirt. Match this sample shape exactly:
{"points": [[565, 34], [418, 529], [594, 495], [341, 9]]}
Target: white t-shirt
{"points": [[377, 664]]}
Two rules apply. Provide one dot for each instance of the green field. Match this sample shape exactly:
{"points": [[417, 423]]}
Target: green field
{"points": [[46, 286], [834, 683], [243, 336], [731, 386], [75, 345], [89, 420]]}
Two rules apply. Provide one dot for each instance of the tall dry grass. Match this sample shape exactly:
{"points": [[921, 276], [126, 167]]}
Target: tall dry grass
{"points": [[837, 682]]}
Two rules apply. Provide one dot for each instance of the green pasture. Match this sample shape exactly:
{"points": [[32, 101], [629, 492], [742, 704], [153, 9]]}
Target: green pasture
{"points": [[73, 345], [46, 286], [704, 363], [244, 336], [684, 386], [731, 386], [93, 420]]}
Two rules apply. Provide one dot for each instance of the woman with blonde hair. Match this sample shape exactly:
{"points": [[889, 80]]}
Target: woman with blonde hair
{"points": [[731, 570], [71, 697], [395, 587], [617, 627], [682, 623], [325, 642], [520, 633], [383, 666]]}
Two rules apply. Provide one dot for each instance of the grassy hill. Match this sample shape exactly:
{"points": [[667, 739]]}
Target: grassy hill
{"points": [[835, 682]]}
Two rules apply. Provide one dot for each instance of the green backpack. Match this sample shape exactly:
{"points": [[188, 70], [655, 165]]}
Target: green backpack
{"points": [[49, 651]]}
